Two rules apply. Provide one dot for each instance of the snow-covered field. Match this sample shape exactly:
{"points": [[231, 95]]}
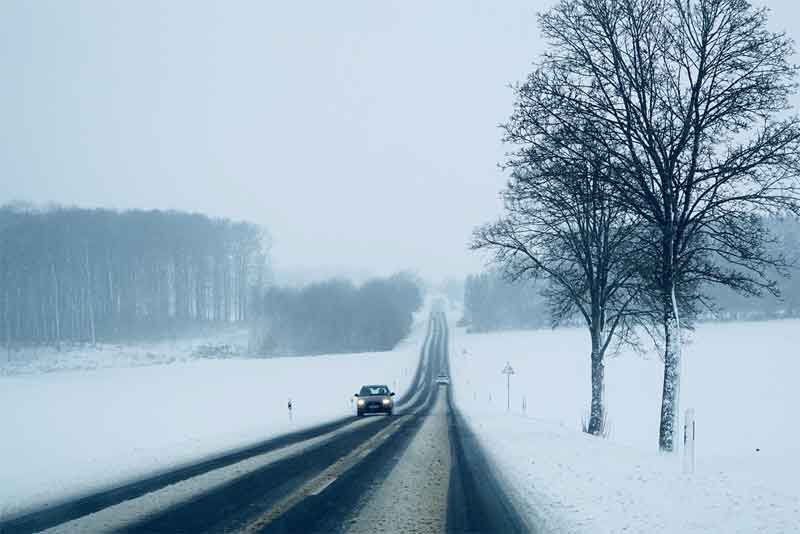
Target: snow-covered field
{"points": [[225, 343], [739, 377], [69, 432]]}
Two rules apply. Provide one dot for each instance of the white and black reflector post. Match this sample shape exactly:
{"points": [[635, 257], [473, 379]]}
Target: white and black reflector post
{"points": [[688, 441]]}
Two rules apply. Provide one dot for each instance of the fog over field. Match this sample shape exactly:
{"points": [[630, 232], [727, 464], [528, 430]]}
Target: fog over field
{"points": [[338, 125], [374, 121], [232, 231]]}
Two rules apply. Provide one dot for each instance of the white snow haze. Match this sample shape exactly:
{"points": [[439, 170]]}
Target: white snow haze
{"points": [[362, 135]]}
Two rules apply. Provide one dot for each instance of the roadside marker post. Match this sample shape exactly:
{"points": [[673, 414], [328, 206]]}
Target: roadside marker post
{"points": [[508, 371], [688, 441]]}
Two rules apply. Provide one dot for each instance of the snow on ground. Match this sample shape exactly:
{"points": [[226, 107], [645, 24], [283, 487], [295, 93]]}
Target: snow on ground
{"points": [[67, 433], [739, 377], [225, 343]]}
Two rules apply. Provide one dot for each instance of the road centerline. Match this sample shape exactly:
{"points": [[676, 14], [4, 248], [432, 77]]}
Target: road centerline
{"points": [[319, 483]]}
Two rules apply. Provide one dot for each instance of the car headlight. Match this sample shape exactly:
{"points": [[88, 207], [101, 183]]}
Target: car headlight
{"points": [[387, 401], [361, 402]]}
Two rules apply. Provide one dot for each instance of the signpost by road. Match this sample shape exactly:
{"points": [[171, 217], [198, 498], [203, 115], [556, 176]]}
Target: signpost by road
{"points": [[508, 371]]}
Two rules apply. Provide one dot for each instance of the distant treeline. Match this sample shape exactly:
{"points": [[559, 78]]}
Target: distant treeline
{"points": [[337, 316], [81, 275], [729, 305], [492, 303]]}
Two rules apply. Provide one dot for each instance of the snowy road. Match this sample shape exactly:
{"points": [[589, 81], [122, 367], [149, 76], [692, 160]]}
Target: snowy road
{"points": [[413, 495], [418, 471]]}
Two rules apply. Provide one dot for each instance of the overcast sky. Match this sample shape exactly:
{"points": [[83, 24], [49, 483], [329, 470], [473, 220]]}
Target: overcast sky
{"points": [[362, 134]]}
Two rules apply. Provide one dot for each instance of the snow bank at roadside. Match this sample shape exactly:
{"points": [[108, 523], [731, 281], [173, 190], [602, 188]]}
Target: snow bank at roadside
{"points": [[738, 377], [69, 433]]}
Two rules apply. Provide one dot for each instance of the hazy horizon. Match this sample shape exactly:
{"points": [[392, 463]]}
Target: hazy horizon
{"points": [[363, 136]]}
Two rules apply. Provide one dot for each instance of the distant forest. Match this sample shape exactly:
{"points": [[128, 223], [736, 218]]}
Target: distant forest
{"points": [[493, 303], [337, 316], [88, 275]]}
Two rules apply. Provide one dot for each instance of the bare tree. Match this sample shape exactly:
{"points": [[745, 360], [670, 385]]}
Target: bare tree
{"points": [[690, 96], [563, 225]]}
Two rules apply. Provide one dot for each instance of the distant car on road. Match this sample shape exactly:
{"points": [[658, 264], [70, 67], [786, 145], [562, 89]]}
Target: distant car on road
{"points": [[443, 380], [374, 399]]}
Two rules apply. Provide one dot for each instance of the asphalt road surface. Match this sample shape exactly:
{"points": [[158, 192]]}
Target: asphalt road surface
{"points": [[420, 470]]}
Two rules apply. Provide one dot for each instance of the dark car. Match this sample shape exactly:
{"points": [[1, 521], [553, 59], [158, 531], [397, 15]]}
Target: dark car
{"points": [[375, 399]]}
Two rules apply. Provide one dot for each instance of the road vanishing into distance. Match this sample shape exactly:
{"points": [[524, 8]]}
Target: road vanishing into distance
{"points": [[420, 470]]}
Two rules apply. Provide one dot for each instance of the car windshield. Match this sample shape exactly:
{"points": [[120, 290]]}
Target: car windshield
{"points": [[374, 390]]}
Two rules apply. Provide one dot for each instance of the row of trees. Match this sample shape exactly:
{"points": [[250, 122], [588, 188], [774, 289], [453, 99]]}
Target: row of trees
{"points": [[653, 138], [493, 303], [337, 316], [80, 275], [730, 305]]}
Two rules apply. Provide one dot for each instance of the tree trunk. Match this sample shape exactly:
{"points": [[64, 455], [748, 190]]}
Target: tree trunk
{"points": [[598, 410], [597, 414], [56, 307], [670, 396], [90, 297], [8, 324]]}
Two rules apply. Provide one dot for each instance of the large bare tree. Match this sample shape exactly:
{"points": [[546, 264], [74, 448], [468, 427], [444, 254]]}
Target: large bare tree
{"points": [[691, 97], [563, 225]]}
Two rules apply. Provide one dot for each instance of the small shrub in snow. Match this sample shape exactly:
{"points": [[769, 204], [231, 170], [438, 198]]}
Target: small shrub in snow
{"points": [[210, 350]]}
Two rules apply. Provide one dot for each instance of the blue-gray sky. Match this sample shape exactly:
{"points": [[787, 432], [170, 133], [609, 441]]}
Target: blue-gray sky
{"points": [[362, 134]]}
